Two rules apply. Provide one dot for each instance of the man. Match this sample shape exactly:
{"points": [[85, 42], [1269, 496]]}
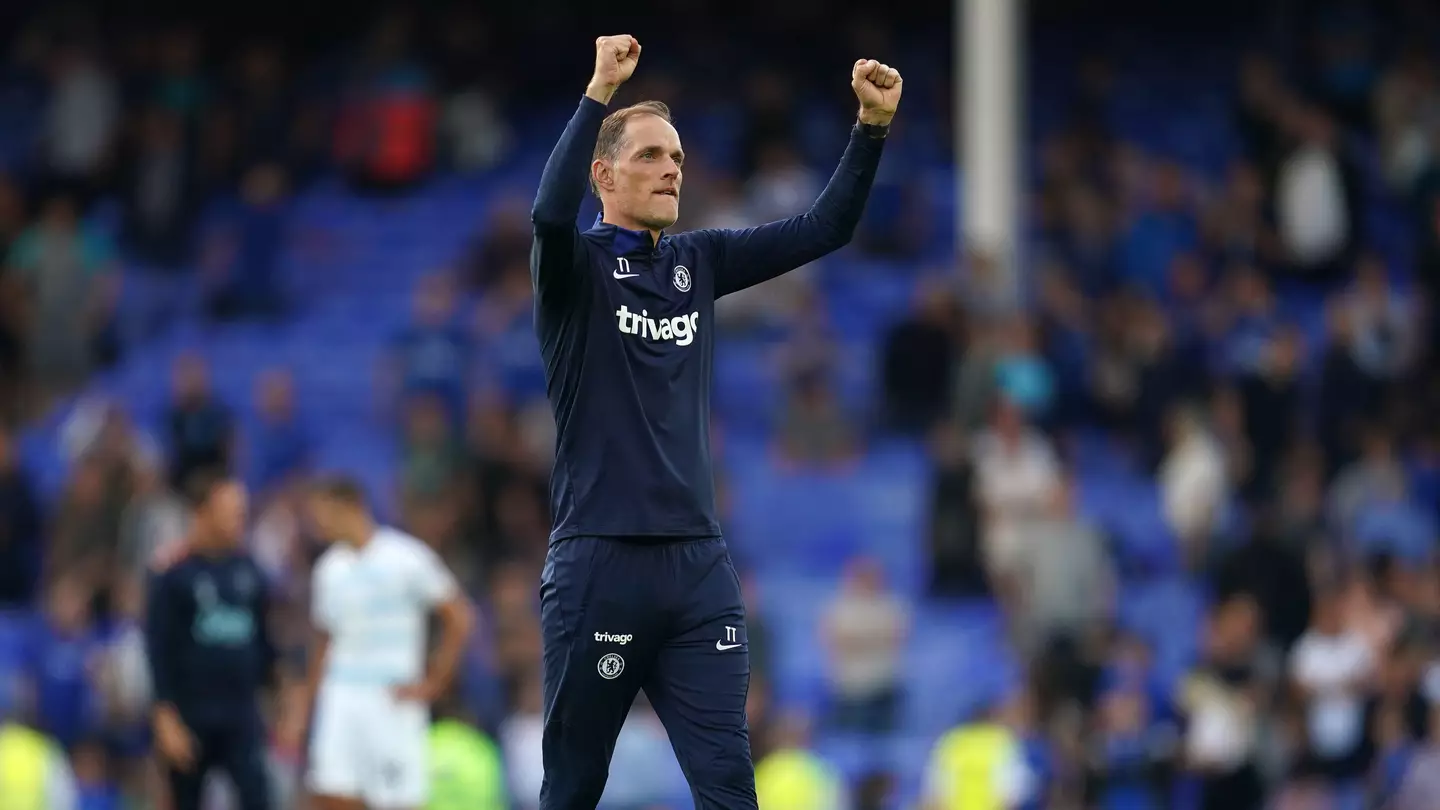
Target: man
{"points": [[372, 595], [638, 591], [211, 653]]}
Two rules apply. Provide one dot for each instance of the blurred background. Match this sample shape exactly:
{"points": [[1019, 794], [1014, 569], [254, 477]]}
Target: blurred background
{"points": [[1111, 439]]}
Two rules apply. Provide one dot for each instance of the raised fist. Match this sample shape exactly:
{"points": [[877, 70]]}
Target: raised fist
{"points": [[878, 88], [615, 60]]}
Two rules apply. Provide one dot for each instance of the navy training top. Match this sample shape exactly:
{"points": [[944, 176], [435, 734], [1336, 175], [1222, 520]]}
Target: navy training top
{"points": [[208, 639], [626, 329]]}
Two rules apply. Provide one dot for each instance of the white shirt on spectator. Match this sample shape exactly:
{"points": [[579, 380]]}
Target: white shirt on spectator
{"points": [[1015, 485], [1329, 667], [1193, 486], [869, 631], [81, 120], [1310, 192]]}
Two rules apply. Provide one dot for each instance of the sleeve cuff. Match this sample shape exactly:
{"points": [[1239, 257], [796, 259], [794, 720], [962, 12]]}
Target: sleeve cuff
{"points": [[875, 132]]}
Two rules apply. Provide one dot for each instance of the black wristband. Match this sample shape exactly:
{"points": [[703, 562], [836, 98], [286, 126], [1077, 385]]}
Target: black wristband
{"points": [[877, 131]]}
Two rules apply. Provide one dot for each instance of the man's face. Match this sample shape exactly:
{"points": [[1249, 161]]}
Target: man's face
{"points": [[226, 510], [645, 177], [326, 517]]}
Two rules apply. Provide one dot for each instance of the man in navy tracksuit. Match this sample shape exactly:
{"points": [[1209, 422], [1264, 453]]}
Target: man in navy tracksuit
{"points": [[638, 591], [211, 654]]}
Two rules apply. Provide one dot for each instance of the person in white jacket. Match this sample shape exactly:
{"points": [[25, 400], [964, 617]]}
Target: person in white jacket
{"points": [[1194, 483]]}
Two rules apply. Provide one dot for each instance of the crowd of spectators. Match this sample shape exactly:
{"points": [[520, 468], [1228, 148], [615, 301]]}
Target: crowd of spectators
{"points": [[1240, 339]]}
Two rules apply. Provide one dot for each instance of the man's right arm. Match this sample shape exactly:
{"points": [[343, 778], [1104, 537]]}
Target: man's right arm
{"points": [[567, 171], [161, 624]]}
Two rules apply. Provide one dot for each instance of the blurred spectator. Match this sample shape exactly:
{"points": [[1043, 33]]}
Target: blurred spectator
{"points": [[1236, 227], [246, 279], [865, 629], [918, 356], [1224, 700], [814, 429], [432, 355], [282, 444], [80, 121], [1067, 583], [85, 533], [70, 293], [64, 662], [782, 186], [1261, 92], [12, 311], [97, 791], [505, 331], [50, 781], [1136, 374], [792, 777], [1370, 613], [982, 764], [1333, 671], [1406, 109], [875, 791], [1270, 394], [769, 119], [21, 525], [431, 454], [1194, 485], [153, 518], [973, 398], [179, 84], [473, 130], [1341, 68], [1421, 782], [1132, 761], [501, 242], [263, 105], [1017, 475], [1385, 323], [466, 767], [1370, 479], [201, 428], [1165, 226], [122, 669], [956, 559], [160, 192], [1317, 198], [1348, 393], [385, 135], [1300, 509], [1021, 374], [1272, 569]]}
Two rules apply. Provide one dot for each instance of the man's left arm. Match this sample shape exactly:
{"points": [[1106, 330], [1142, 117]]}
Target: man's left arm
{"points": [[750, 256]]}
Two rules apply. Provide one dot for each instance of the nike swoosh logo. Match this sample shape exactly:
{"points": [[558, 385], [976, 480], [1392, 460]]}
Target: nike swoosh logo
{"points": [[724, 647], [619, 274]]}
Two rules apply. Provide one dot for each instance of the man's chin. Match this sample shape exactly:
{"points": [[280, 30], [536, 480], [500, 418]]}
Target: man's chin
{"points": [[660, 220]]}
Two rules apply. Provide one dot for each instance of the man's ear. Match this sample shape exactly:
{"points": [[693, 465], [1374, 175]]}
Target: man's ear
{"points": [[602, 173]]}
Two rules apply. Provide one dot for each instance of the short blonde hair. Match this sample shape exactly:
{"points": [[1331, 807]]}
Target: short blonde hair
{"points": [[612, 131]]}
